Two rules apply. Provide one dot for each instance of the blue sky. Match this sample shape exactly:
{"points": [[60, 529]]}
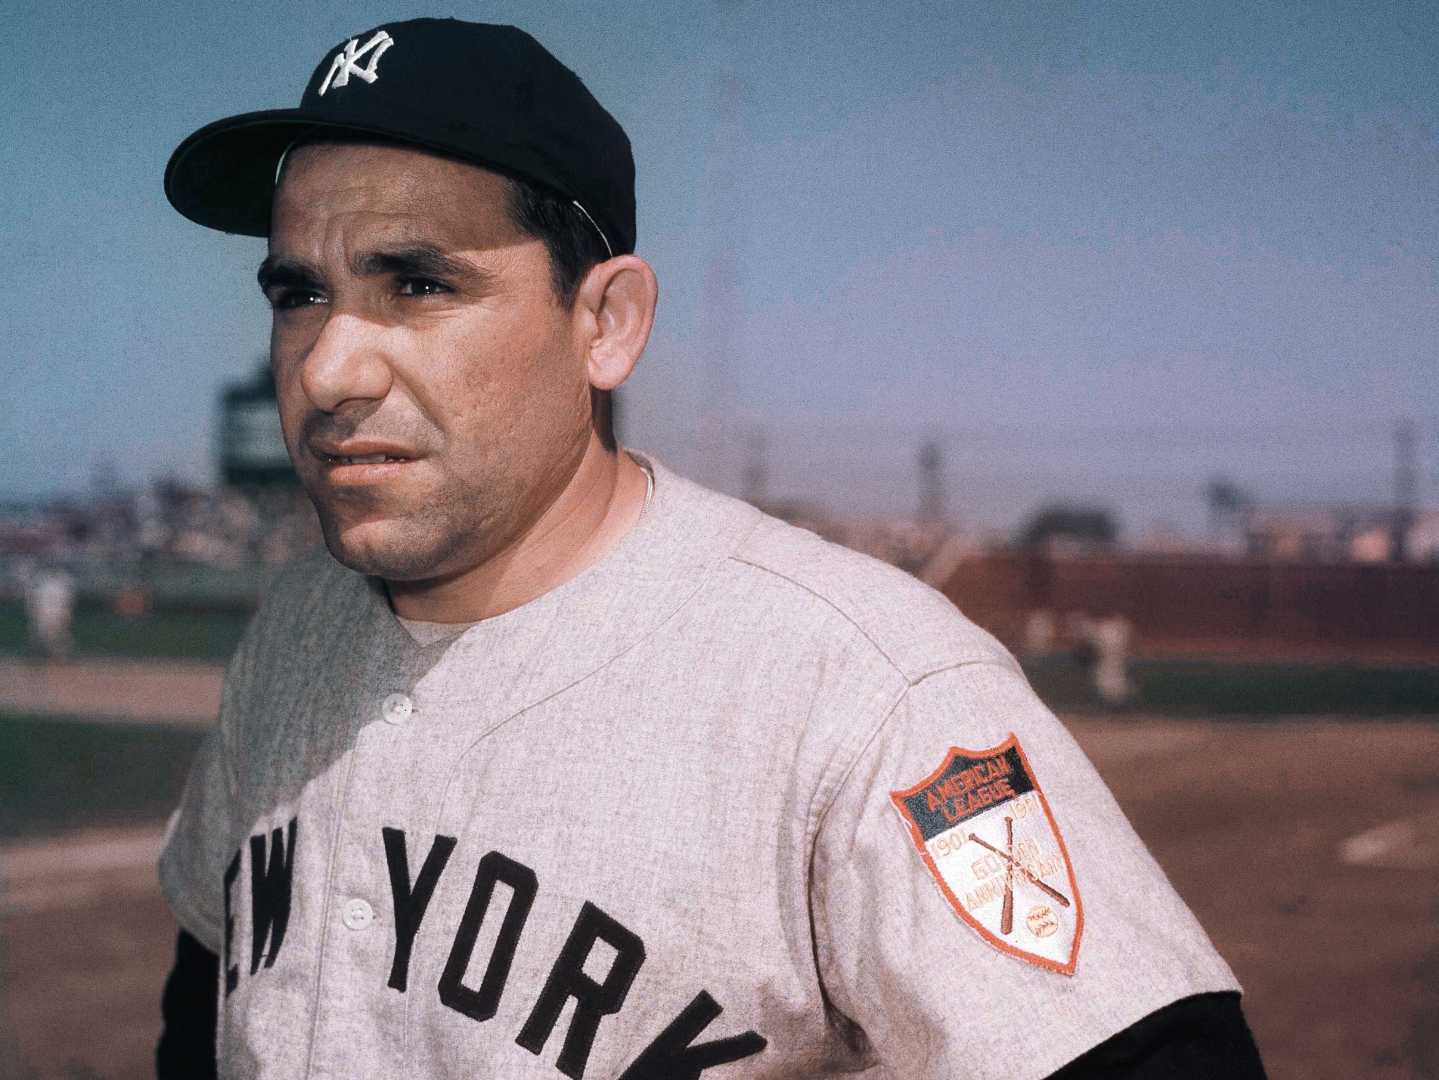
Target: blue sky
{"points": [[1101, 251]]}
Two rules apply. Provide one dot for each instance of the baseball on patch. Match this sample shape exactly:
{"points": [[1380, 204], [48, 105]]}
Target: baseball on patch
{"points": [[1041, 921]]}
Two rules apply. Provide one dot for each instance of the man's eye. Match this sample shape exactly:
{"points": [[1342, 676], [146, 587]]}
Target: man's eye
{"points": [[418, 286], [284, 299]]}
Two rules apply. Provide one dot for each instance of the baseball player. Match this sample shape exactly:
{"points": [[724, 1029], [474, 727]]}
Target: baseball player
{"points": [[558, 764]]}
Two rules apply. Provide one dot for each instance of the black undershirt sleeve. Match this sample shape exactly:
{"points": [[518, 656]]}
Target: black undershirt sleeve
{"points": [[1191, 1039], [189, 1006]]}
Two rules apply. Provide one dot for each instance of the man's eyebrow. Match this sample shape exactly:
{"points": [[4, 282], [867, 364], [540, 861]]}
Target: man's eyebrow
{"points": [[280, 272], [420, 260]]}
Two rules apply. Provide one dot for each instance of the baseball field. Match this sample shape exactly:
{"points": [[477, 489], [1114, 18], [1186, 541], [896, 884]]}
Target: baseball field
{"points": [[1307, 842]]}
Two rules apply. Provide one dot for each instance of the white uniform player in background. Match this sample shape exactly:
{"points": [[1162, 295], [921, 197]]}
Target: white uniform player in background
{"points": [[50, 608], [558, 764]]}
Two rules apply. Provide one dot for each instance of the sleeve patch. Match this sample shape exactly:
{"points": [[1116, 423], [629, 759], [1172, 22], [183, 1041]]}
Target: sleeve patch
{"points": [[985, 832]]}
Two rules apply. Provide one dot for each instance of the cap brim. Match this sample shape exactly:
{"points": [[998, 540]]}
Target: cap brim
{"points": [[223, 176]]}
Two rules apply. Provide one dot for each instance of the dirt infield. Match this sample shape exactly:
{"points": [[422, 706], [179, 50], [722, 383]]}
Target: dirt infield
{"points": [[166, 691], [1308, 849]]}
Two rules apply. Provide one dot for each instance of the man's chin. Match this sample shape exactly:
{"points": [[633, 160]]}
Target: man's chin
{"points": [[383, 549]]}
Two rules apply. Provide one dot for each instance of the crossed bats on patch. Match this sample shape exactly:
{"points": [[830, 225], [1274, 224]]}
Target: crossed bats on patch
{"points": [[1006, 916]]}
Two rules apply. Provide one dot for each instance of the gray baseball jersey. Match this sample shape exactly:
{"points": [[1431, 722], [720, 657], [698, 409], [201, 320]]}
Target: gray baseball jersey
{"points": [[734, 802]]}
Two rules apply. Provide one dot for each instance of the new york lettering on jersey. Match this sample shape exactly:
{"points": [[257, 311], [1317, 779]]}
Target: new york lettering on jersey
{"points": [[673, 1054]]}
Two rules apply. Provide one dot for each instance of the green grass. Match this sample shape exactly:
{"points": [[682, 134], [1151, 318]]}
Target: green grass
{"points": [[186, 635], [1181, 686], [58, 774], [1216, 687]]}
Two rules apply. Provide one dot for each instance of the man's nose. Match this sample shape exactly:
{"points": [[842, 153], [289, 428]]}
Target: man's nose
{"points": [[346, 366]]}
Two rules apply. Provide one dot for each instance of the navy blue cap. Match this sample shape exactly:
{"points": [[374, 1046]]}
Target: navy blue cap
{"points": [[489, 95]]}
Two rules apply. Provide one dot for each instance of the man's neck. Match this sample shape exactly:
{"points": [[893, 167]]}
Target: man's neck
{"points": [[599, 505]]}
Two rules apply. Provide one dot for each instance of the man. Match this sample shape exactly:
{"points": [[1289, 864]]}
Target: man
{"points": [[50, 607], [563, 765]]}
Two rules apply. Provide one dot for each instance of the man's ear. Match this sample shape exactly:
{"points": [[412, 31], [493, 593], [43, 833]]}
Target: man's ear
{"points": [[619, 295]]}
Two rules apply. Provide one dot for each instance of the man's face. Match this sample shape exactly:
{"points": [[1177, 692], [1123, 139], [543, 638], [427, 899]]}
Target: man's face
{"points": [[432, 390]]}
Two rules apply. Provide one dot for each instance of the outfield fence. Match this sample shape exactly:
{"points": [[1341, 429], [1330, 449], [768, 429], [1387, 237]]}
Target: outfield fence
{"points": [[1197, 606]]}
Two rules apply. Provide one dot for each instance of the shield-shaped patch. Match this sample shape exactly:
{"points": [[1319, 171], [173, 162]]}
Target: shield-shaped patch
{"points": [[985, 831]]}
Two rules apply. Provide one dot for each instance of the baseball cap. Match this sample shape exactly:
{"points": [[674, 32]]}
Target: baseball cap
{"points": [[490, 95]]}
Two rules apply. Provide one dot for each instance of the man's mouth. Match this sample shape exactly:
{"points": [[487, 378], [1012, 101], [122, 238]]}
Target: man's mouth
{"points": [[361, 462], [360, 451], [361, 459]]}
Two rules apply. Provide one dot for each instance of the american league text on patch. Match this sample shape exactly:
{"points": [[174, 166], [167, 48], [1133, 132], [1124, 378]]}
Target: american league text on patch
{"points": [[986, 834]]}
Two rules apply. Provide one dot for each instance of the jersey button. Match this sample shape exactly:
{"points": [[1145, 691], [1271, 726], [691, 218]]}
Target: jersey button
{"points": [[396, 708], [358, 914]]}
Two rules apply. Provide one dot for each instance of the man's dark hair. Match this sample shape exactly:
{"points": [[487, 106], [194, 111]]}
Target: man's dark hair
{"points": [[574, 246]]}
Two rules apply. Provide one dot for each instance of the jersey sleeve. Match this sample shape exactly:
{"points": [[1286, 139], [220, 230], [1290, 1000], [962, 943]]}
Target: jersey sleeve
{"points": [[200, 836], [982, 906]]}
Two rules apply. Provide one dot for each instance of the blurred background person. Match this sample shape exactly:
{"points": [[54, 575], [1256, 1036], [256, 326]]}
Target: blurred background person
{"points": [[49, 605]]}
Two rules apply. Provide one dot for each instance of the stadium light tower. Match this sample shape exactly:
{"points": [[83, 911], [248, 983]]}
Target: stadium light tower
{"points": [[1406, 474], [931, 480], [756, 467], [721, 300]]}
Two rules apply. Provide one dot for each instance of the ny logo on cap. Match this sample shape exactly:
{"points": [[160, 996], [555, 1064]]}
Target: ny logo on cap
{"points": [[344, 64]]}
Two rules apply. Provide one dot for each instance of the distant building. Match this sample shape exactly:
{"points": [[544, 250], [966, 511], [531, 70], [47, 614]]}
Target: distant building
{"points": [[1300, 534], [1338, 534], [1375, 543], [252, 448]]}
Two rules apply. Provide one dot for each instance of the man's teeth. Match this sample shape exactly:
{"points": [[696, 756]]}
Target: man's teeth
{"points": [[365, 459]]}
